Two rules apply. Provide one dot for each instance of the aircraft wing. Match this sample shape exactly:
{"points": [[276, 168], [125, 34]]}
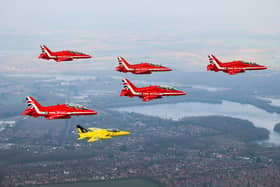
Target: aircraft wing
{"points": [[235, 71], [148, 98], [93, 139], [58, 116], [61, 59], [142, 72]]}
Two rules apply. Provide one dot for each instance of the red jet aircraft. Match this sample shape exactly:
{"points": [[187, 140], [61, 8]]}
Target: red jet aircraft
{"points": [[143, 68], [148, 93], [232, 68], [60, 56], [61, 111]]}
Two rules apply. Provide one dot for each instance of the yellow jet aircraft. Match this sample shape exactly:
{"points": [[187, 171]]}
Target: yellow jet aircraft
{"points": [[95, 134]]}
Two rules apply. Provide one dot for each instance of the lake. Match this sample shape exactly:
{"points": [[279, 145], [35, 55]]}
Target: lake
{"points": [[259, 117]]}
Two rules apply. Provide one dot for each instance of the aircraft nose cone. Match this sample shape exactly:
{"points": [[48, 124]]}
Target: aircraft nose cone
{"points": [[264, 67], [168, 69], [92, 112], [183, 93], [125, 133]]}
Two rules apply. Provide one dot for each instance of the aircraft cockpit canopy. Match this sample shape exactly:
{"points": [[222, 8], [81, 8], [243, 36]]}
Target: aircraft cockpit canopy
{"points": [[159, 65], [76, 52], [113, 130], [77, 106], [168, 88], [251, 63]]}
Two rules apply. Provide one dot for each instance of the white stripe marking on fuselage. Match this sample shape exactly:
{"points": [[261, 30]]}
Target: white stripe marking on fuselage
{"points": [[126, 67], [35, 106]]}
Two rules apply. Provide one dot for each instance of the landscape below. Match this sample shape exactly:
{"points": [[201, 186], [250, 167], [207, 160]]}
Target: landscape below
{"points": [[193, 151]]}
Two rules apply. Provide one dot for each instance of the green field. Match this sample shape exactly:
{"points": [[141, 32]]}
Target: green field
{"points": [[111, 183]]}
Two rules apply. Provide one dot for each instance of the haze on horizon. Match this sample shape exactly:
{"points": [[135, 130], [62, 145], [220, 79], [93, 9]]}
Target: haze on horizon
{"points": [[176, 33]]}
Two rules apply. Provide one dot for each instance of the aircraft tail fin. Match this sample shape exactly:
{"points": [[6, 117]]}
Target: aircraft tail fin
{"points": [[46, 50], [213, 59], [33, 103], [123, 62], [210, 59], [81, 129], [129, 84]]}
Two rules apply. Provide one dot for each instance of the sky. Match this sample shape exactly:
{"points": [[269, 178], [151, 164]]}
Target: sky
{"points": [[178, 33]]}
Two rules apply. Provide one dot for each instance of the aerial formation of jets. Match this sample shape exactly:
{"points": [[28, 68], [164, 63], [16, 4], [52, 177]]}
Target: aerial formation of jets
{"points": [[65, 111]]}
